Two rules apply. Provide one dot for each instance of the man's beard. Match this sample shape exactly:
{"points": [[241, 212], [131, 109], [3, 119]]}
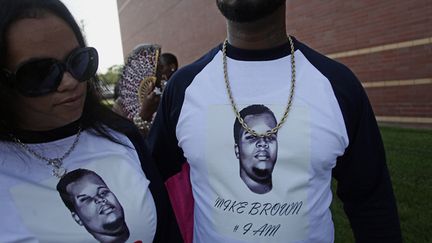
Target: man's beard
{"points": [[243, 11]]}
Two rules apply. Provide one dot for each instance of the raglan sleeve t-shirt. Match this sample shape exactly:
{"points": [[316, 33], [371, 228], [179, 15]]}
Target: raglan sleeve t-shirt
{"points": [[227, 186]]}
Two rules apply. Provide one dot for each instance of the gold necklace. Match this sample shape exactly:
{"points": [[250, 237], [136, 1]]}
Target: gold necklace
{"points": [[234, 106], [57, 163]]}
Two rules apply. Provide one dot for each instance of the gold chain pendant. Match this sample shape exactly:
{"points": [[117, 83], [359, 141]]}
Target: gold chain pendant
{"points": [[234, 106]]}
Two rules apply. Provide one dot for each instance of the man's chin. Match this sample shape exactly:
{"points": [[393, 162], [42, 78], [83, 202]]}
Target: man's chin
{"points": [[244, 11], [116, 227], [262, 175]]}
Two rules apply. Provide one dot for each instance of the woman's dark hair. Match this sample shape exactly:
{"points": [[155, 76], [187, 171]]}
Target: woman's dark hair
{"points": [[95, 114]]}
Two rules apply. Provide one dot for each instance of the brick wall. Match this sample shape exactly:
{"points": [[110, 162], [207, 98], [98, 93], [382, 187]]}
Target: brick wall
{"points": [[339, 25], [189, 28]]}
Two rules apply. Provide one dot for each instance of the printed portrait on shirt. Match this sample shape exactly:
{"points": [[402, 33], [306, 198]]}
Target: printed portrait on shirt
{"points": [[257, 155], [93, 205], [258, 182]]}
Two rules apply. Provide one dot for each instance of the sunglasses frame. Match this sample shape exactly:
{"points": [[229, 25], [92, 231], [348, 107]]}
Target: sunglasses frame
{"points": [[61, 66]]}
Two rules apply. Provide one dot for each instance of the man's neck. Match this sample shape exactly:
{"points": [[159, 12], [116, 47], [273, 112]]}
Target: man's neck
{"points": [[261, 187], [264, 33]]}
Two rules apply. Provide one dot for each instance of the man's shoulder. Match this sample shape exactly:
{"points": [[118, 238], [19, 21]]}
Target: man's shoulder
{"points": [[183, 77], [332, 69], [346, 86]]}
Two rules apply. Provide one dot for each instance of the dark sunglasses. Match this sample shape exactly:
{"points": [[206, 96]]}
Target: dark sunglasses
{"points": [[37, 77]]}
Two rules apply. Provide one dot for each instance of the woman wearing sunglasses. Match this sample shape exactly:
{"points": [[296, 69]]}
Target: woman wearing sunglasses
{"points": [[52, 125]]}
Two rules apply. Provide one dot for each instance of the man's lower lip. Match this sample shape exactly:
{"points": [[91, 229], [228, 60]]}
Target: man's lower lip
{"points": [[107, 211]]}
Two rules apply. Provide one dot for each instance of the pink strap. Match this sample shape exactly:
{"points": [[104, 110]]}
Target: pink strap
{"points": [[180, 192]]}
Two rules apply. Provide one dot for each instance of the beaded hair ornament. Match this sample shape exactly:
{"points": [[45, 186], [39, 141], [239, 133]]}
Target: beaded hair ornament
{"points": [[139, 73]]}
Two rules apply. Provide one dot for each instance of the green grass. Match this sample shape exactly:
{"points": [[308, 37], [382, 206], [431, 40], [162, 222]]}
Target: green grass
{"points": [[409, 158]]}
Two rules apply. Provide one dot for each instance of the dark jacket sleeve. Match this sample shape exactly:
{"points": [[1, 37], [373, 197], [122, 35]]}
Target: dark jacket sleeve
{"points": [[364, 184], [162, 139]]}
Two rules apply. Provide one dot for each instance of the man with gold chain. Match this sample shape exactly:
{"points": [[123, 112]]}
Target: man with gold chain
{"points": [[325, 128]]}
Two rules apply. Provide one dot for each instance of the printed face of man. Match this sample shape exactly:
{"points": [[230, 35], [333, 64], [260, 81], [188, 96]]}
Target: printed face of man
{"points": [[257, 155], [96, 206]]}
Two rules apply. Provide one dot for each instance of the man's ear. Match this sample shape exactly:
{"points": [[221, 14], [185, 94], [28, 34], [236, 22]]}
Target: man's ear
{"points": [[236, 151], [76, 218]]}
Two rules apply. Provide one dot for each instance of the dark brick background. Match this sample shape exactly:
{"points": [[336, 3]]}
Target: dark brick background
{"points": [[189, 28]]}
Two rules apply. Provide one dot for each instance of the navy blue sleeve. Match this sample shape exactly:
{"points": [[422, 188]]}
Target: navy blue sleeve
{"points": [[364, 184], [162, 137], [167, 230]]}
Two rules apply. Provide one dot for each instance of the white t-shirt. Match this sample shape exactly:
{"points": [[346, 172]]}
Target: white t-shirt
{"points": [[241, 193], [110, 187]]}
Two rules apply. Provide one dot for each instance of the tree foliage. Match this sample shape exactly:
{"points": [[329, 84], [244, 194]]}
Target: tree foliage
{"points": [[112, 75]]}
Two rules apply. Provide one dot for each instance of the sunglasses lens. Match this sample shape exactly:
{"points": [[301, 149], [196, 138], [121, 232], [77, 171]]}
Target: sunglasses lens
{"points": [[43, 76], [38, 77], [83, 63]]}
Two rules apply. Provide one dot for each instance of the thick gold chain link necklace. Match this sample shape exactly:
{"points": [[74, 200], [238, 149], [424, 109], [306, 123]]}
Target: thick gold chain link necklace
{"points": [[234, 106]]}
